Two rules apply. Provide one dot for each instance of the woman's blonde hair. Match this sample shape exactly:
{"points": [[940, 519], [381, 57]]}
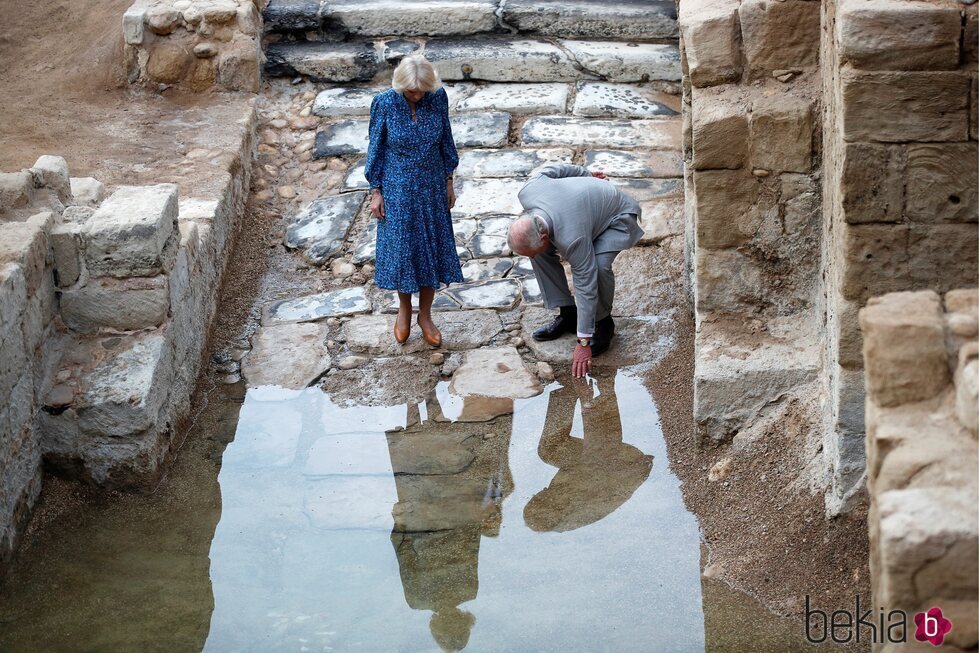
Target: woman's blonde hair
{"points": [[415, 73]]}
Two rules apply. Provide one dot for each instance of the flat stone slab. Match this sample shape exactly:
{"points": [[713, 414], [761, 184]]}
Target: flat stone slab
{"points": [[577, 132], [438, 452], [355, 179], [464, 229], [322, 61], [396, 17], [287, 355], [635, 163], [498, 294], [611, 19], [366, 245], [389, 302], [483, 269], [497, 372], [661, 218], [517, 98], [481, 129], [321, 228], [617, 61], [500, 59], [291, 15], [335, 303], [600, 99], [345, 101], [521, 268], [531, 292], [468, 130], [508, 162], [643, 190], [458, 91], [461, 330], [482, 196], [343, 137], [483, 246]]}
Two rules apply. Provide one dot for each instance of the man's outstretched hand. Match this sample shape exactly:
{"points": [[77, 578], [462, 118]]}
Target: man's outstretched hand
{"points": [[581, 361], [599, 175]]}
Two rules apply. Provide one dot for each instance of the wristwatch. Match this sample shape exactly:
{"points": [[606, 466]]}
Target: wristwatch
{"points": [[584, 342]]}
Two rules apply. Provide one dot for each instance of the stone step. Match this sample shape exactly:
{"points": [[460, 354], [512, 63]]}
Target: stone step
{"points": [[741, 371], [628, 20], [583, 132], [488, 129], [490, 58]]}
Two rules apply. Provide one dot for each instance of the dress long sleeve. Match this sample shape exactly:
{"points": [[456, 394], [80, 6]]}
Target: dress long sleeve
{"points": [[450, 157], [377, 131]]}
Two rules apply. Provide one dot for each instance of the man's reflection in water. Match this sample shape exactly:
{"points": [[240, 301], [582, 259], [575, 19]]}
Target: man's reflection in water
{"points": [[451, 478], [596, 473]]}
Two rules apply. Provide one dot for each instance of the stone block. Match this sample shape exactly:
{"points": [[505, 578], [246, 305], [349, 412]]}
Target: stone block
{"points": [[872, 183], [967, 389], [943, 256], [321, 61], [779, 35], [849, 416], [923, 554], [16, 189], [334, 303], [625, 163], [583, 132], [500, 59], [287, 355], [725, 203], [517, 98], [849, 340], [133, 21], [169, 62], [904, 347], [719, 132], [124, 393], [600, 99], [407, 18], [239, 65], [119, 304], [899, 107], [129, 233], [52, 171], [66, 241], [941, 182], [292, 15], [497, 372], [875, 260], [86, 191], [320, 229], [621, 20], [627, 62], [711, 33], [899, 34], [726, 281], [25, 244], [781, 134], [963, 300]]}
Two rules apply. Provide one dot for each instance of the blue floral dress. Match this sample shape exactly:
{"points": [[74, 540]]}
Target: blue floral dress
{"points": [[409, 161]]}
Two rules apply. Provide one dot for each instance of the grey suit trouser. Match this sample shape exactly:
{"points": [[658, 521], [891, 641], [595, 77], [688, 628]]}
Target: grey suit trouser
{"points": [[553, 281]]}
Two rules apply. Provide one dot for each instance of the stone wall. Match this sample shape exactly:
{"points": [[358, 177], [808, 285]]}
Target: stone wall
{"points": [[195, 44], [751, 149], [106, 304], [921, 361], [900, 192]]}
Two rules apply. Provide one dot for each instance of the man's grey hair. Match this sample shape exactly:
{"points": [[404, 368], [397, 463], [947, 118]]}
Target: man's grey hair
{"points": [[531, 228]]}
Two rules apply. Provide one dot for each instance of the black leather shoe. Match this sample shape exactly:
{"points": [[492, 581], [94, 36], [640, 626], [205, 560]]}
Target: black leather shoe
{"points": [[604, 330], [565, 322]]}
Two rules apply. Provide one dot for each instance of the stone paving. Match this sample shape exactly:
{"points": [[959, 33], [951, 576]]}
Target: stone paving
{"points": [[503, 131]]}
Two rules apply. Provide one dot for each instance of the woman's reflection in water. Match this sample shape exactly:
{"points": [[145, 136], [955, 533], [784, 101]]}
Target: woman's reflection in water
{"points": [[451, 482]]}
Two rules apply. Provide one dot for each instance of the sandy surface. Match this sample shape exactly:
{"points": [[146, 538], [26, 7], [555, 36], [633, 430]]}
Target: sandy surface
{"points": [[66, 95]]}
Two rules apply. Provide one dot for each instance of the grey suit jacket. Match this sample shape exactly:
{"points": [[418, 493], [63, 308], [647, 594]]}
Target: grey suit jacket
{"points": [[583, 214]]}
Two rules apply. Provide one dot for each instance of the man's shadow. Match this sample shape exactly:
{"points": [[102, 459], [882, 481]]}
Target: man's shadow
{"points": [[597, 473], [451, 482]]}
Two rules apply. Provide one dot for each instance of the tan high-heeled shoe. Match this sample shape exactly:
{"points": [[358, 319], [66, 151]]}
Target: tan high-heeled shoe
{"points": [[401, 335], [434, 338]]}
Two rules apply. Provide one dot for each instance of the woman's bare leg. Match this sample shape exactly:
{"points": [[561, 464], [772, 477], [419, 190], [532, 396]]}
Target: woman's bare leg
{"points": [[425, 298], [404, 311]]}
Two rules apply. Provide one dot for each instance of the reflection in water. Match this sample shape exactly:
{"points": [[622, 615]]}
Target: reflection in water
{"points": [[451, 482], [596, 473], [388, 528]]}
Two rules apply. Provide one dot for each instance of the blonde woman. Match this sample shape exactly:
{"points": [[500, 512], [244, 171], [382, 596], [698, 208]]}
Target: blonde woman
{"points": [[410, 160]]}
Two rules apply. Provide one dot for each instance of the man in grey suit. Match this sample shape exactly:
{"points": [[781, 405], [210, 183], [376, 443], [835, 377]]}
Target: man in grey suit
{"points": [[583, 218]]}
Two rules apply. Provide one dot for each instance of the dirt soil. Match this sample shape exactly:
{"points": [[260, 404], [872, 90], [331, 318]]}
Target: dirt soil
{"points": [[765, 532], [63, 92]]}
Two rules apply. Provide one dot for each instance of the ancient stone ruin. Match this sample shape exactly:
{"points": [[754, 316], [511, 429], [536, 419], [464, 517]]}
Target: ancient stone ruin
{"points": [[809, 178]]}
